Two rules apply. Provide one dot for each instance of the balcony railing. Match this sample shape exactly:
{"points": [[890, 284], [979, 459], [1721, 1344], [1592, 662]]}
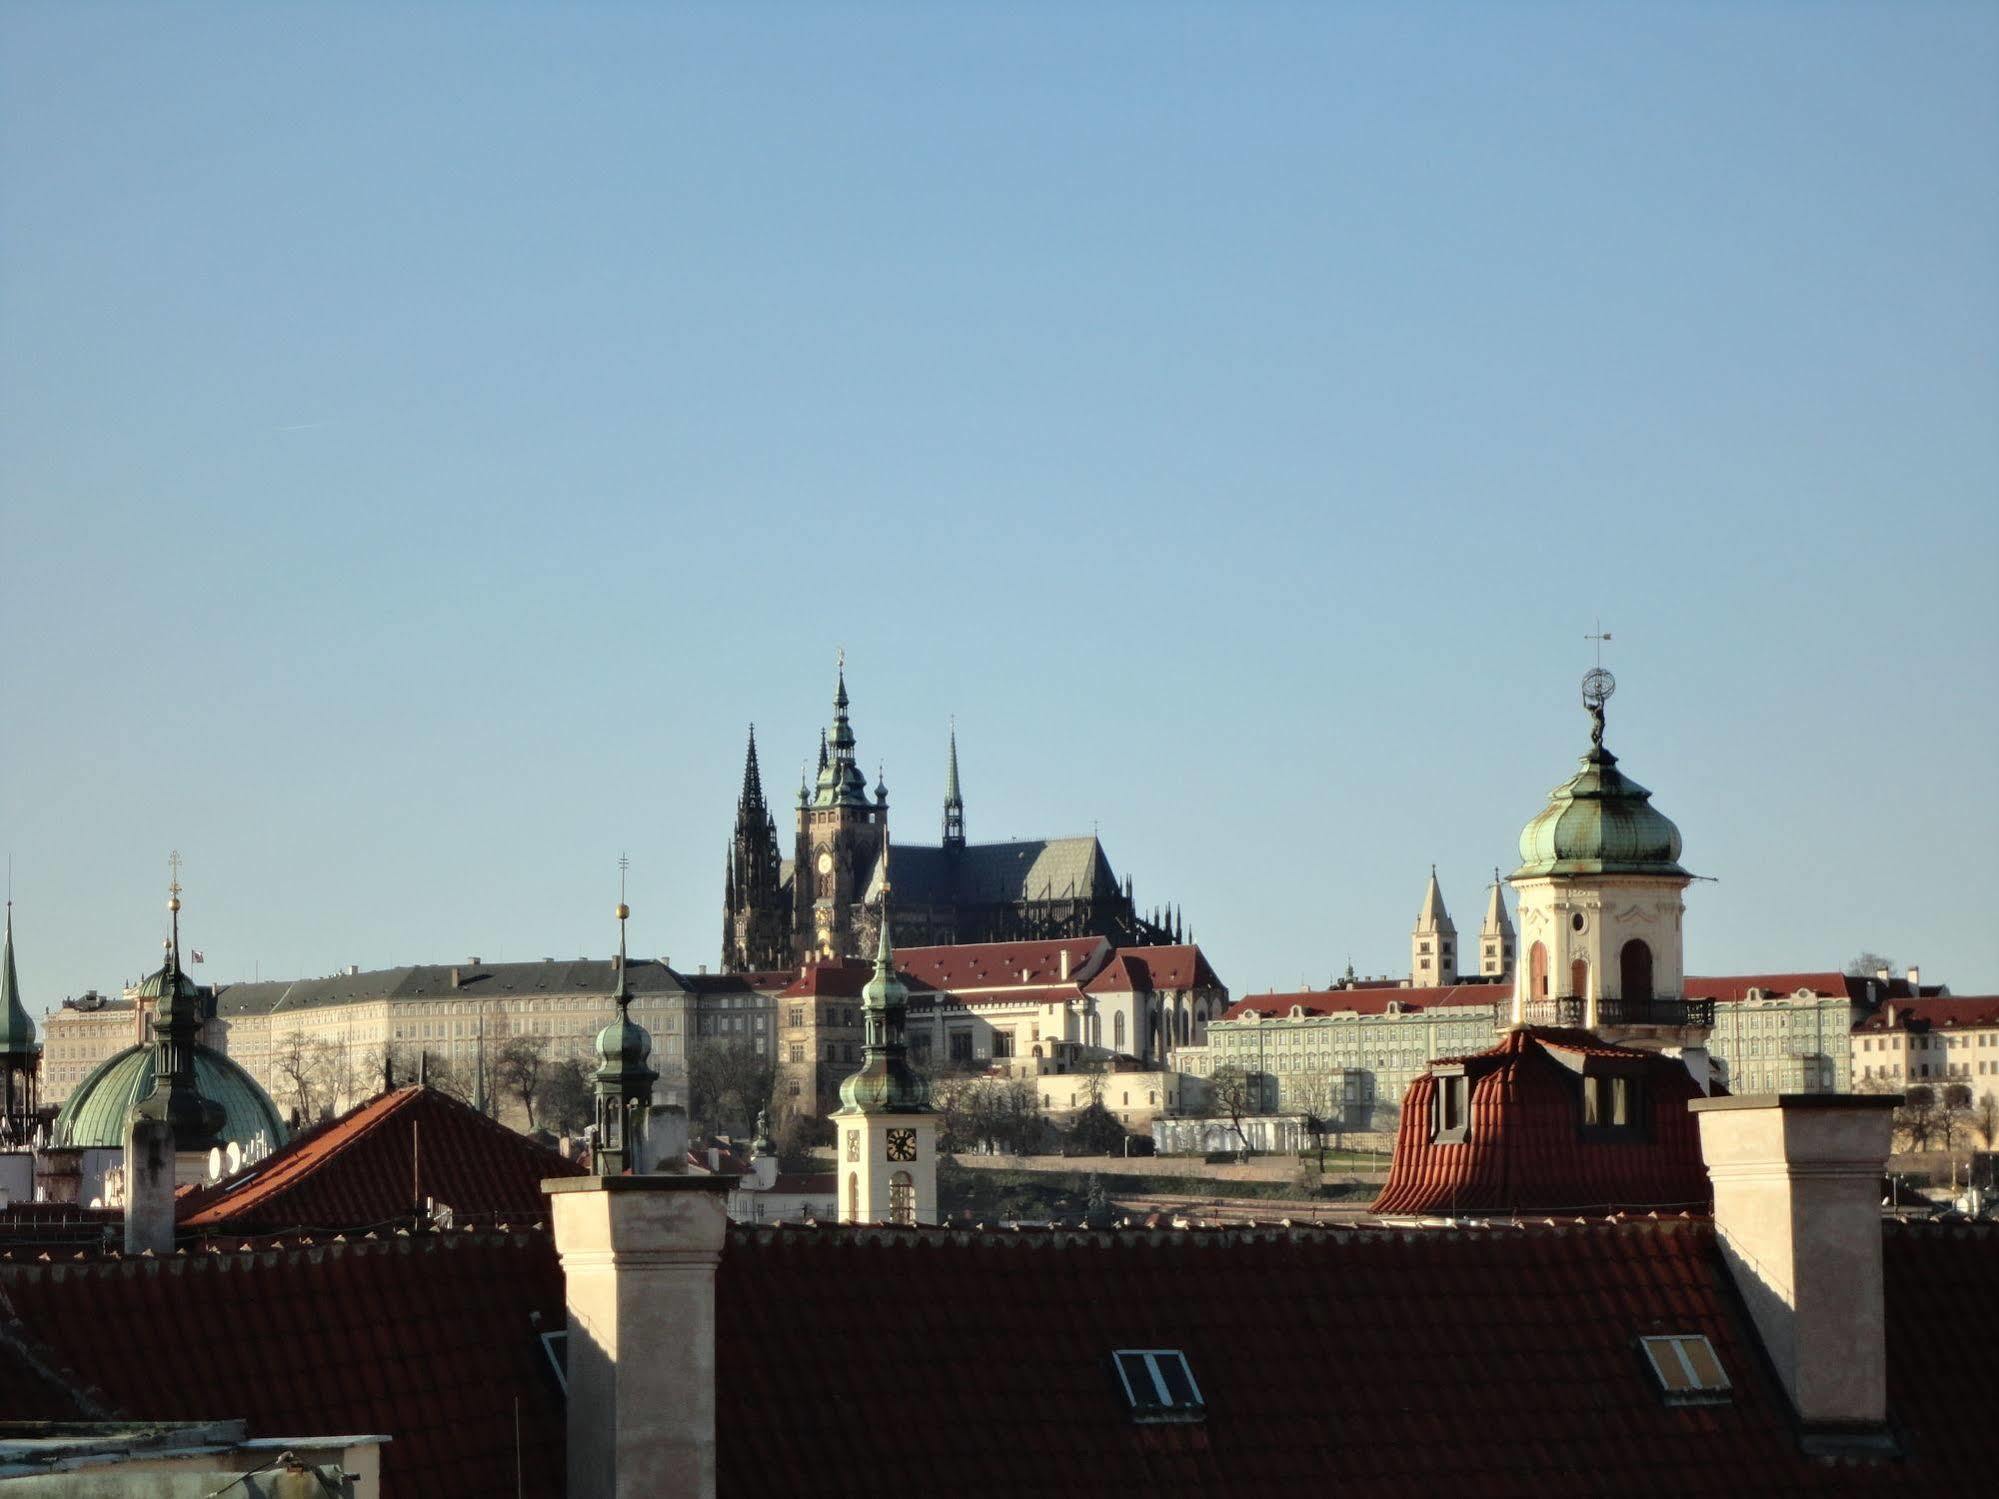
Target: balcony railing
{"points": [[1571, 1012]]}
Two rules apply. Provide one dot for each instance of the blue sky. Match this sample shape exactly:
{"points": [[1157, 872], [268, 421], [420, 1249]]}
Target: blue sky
{"points": [[429, 436]]}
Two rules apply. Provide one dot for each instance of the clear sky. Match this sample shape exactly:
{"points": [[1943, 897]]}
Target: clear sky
{"points": [[429, 435]]}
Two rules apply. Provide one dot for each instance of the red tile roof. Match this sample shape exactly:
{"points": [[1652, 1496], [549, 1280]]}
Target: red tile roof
{"points": [[1500, 1361], [1143, 970], [1373, 1000], [1933, 1014], [983, 965], [1735, 987], [376, 1163], [1526, 1152], [428, 1339], [842, 979]]}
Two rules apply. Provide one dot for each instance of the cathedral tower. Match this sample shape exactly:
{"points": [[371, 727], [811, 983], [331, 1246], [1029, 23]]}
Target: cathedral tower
{"points": [[756, 914], [1600, 894], [886, 1133], [20, 1056], [1433, 945], [840, 835], [1495, 934]]}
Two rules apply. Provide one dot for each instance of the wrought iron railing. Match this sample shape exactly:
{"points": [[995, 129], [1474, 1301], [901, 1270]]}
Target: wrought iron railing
{"points": [[1572, 1012]]}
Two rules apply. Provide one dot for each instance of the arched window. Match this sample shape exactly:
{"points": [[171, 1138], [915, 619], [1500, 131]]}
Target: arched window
{"points": [[902, 1198], [1117, 1031], [1635, 968], [1537, 972], [1579, 978], [1182, 1021], [853, 1197]]}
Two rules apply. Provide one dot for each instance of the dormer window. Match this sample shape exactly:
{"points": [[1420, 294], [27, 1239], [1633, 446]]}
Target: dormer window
{"points": [[1159, 1384], [1450, 1122], [1613, 1106], [1687, 1368]]}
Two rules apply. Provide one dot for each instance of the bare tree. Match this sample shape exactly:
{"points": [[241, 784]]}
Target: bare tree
{"points": [[1233, 1094], [1985, 1119], [728, 1084], [568, 1096], [519, 1069], [996, 1115], [301, 1064], [1919, 1119], [1866, 964]]}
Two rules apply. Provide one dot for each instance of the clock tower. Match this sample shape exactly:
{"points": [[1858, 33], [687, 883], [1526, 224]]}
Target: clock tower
{"points": [[840, 835], [885, 1135]]}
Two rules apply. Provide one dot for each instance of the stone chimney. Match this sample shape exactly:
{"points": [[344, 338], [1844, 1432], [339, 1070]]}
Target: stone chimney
{"points": [[1797, 1191], [149, 1185], [1915, 981], [638, 1261]]}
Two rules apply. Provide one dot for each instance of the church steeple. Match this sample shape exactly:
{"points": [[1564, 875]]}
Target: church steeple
{"points": [[176, 1098], [1433, 945], [887, 1131], [1495, 934], [954, 800], [19, 1053], [624, 1072]]}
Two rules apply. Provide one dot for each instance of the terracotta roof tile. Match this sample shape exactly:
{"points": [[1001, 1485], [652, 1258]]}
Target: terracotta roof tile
{"points": [[430, 1340], [1141, 970], [1526, 1151], [1933, 1014], [375, 1164], [1370, 1000]]}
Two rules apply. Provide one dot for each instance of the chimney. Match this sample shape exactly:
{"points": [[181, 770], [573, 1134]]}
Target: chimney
{"points": [[149, 1185], [1797, 1191], [1065, 965], [454, 978], [1881, 974], [1915, 981], [638, 1261]]}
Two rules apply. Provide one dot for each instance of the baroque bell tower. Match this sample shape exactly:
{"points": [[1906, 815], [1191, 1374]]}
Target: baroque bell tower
{"points": [[840, 836]]}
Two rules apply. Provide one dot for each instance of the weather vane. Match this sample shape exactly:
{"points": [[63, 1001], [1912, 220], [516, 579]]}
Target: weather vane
{"points": [[1598, 685], [623, 865], [173, 879]]}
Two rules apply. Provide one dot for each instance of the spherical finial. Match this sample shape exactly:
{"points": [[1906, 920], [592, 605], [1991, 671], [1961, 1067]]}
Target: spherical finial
{"points": [[173, 902], [1598, 685], [623, 910]]}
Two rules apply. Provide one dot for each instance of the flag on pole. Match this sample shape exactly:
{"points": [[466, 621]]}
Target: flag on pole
{"points": [[195, 953]]}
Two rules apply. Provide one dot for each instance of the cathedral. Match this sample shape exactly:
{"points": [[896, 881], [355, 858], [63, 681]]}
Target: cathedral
{"points": [[821, 902]]}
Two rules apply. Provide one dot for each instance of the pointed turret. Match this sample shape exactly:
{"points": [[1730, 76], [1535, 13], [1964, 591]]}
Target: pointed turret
{"points": [[1433, 945], [624, 1075], [954, 800], [1495, 934], [19, 1053], [753, 785]]}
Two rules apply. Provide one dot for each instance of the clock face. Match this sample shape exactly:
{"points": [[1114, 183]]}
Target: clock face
{"points": [[902, 1145], [825, 863]]}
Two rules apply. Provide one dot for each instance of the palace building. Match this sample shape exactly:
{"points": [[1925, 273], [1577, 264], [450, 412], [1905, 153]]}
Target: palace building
{"points": [[818, 904]]}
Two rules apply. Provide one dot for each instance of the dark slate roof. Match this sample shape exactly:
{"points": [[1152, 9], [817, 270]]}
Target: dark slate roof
{"points": [[375, 1163], [1526, 1152], [428, 981], [430, 1339], [986, 873], [1498, 1361]]}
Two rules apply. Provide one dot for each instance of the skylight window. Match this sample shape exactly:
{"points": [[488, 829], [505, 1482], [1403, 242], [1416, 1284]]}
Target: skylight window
{"points": [[1688, 1371], [1159, 1384]]}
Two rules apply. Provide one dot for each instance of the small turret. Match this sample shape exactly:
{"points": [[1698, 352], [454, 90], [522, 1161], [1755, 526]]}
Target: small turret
{"points": [[20, 1054], [624, 1076]]}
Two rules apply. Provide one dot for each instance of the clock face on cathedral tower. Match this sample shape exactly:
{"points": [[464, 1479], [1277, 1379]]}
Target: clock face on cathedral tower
{"points": [[902, 1145]]}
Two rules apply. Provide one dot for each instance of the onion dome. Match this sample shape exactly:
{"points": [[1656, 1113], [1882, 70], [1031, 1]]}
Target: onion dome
{"points": [[1600, 821], [94, 1114]]}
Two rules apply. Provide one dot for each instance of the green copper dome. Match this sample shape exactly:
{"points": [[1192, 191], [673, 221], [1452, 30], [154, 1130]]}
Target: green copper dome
{"points": [[1600, 821], [185, 987], [94, 1115]]}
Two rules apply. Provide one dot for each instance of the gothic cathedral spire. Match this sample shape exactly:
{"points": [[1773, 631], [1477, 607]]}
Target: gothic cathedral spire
{"points": [[954, 800], [756, 912]]}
